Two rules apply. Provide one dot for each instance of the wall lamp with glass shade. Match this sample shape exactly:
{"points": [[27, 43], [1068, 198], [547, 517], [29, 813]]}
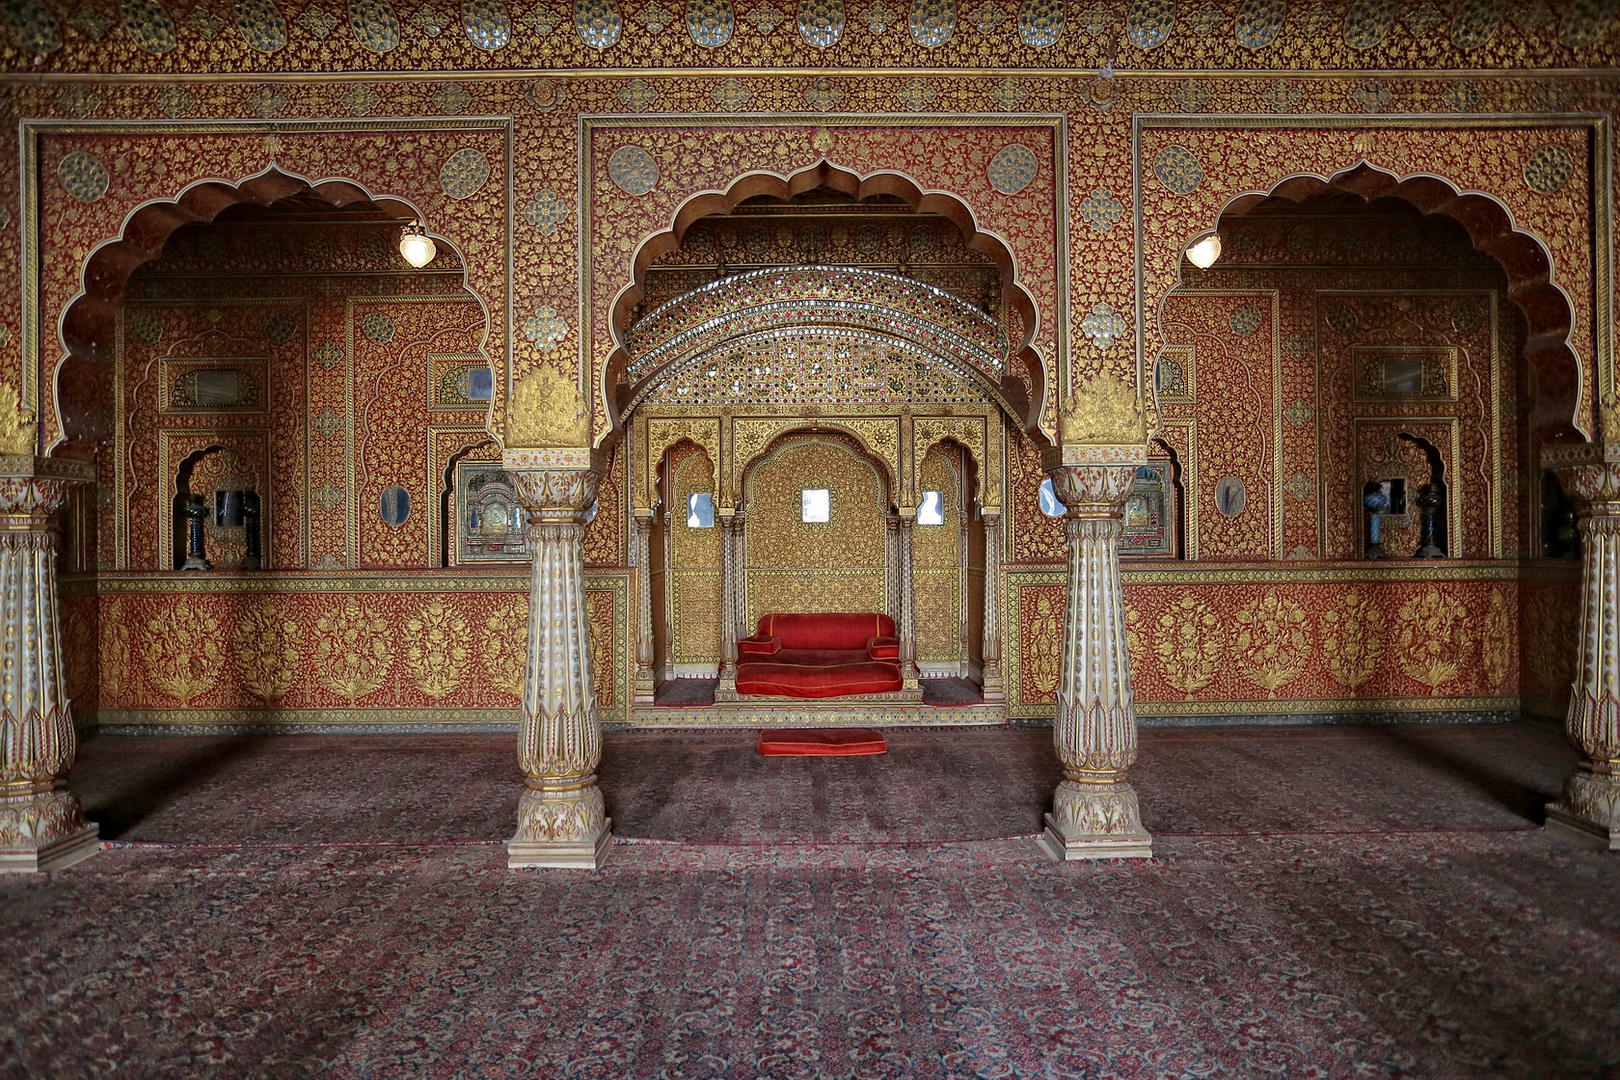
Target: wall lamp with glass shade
{"points": [[1203, 252], [416, 246]]}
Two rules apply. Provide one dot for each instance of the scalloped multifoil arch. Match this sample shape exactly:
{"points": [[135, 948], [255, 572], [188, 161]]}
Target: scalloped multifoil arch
{"points": [[1532, 286], [1024, 407], [86, 325], [743, 318]]}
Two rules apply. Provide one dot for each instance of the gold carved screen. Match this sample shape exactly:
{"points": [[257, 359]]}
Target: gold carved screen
{"points": [[694, 590], [794, 565], [937, 566]]}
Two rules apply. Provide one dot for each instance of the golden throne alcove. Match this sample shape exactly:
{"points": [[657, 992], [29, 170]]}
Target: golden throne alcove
{"points": [[832, 445]]}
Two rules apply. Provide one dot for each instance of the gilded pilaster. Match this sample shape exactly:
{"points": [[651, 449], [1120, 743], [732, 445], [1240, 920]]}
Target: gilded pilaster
{"points": [[561, 819], [1589, 805], [1094, 811], [728, 606], [995, 687], [42, 824], [891, 540], [641, 553], [908, 606]]}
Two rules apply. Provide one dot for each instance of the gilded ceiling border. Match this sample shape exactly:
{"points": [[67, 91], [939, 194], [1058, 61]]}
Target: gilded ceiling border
{"points": [[590, 123], [1598, 126], [32, 131]]}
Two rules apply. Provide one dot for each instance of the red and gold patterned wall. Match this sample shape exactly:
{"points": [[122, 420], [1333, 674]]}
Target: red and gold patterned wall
{"points": [[1078, 148]]}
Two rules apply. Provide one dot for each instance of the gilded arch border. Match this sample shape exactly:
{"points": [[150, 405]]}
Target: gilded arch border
{"points": [[275, 147], [1299, 147], [782, 146]]}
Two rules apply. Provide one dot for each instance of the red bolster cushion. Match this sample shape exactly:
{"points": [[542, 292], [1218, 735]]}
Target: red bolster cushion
{"points": [[883, 648], [826, 630], [759, 646]]}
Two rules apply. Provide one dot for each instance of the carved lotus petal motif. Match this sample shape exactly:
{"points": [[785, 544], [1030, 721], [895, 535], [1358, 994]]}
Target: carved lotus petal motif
{"points": [[148, 25], [261, 24], [374, 25], [486, 23]]}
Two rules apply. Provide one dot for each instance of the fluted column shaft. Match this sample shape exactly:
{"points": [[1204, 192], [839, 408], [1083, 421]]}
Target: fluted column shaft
{"points": [[42, 824], [561, 820], [995, 687], [1094, 811], [908, 606], [641, 552], [728, 604], [1589, 805]]}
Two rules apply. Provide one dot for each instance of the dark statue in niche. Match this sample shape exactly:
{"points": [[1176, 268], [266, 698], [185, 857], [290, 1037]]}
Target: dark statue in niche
{"points": [[1431, 500], [1377, 502]]}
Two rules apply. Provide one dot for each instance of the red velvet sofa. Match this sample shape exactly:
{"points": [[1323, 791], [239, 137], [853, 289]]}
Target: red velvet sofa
{"points": [[819, 656]]}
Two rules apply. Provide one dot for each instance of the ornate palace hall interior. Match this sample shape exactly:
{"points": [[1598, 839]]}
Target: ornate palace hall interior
{"points": [[437, 440]]}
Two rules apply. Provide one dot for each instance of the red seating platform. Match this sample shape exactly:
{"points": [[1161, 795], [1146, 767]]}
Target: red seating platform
{"points": [[819, 656]]}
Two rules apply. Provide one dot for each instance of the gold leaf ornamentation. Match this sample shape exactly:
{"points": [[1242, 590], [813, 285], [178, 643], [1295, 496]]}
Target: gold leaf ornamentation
{"points": [[267, 651], [115, 653], [1433, 638], [439, 647], [1106, 412], [1496, 642], [1352, 639], [547, 410], [506, 647], [353, 651], [183, 651], [1271, 647], [1190, 644], [19, 427]]}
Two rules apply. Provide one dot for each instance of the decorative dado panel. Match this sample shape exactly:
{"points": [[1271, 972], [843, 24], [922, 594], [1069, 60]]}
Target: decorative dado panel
{"points": [[292, 651], [1216, 640]]}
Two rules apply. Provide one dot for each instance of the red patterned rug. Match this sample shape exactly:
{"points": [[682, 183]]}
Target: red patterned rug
{"points": [[1324, 904]]}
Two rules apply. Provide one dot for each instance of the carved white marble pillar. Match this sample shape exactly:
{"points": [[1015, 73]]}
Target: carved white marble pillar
{"points": [[1589, 806], [641, 553], [995, 686], [739, 577], [907, 629], [728, 607], [1094, 811], [891, 539], [561, 820], [42, 824]]}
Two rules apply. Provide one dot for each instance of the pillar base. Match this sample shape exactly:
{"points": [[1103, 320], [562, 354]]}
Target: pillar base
{"points": [[583, 854], [1588, 810], [45, 833], [1060, 848], [994, 687], [1095, 821]]}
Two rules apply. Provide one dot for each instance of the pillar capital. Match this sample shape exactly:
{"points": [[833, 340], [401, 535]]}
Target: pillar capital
{"points": [[1589, 473], [1093, 481], [556, 494], [34, 488]]}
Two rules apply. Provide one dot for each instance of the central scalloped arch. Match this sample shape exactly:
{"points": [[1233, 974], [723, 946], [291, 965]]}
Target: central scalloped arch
{"points": [[1021, 403], [754, 311]]}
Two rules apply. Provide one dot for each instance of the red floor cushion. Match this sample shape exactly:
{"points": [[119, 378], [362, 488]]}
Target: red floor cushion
{"points": [[825, 742]]}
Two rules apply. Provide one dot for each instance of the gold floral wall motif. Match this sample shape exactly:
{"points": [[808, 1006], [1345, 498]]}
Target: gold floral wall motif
{"points": [[792, 565], [694, 566], [275, 648], [1234, 639], [937, 560]]}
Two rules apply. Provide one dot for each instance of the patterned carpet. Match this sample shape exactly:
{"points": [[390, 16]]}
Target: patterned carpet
{"points": [[333, 925]]}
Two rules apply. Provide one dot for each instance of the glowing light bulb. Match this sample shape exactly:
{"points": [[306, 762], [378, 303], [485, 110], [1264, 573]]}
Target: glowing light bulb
{"points": [[1204, 251], [416, 247]]}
